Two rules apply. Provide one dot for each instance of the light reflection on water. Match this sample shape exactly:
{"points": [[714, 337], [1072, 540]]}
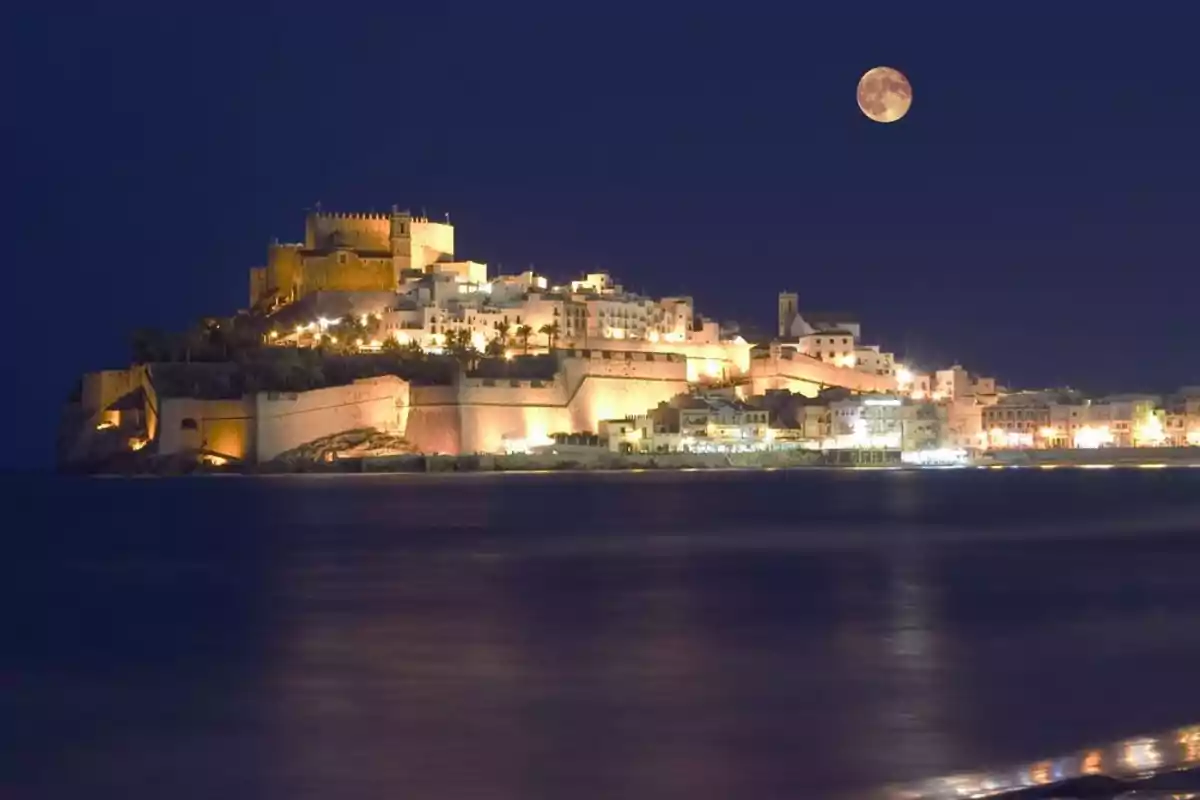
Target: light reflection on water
{"points": [[659, 636]]}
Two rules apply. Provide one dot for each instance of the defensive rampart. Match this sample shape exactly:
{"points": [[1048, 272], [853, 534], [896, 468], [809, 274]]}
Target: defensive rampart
{"points": [[488, 415], [801, 374]]}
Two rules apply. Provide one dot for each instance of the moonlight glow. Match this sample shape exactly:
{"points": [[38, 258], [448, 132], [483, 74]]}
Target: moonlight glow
{"points": [[884, 94]]}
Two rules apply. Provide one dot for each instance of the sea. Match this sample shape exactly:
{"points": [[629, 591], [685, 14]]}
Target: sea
{"points": [[791, 633]]}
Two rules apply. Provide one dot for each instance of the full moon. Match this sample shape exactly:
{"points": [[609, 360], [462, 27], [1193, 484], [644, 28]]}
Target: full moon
{"points": [[884, 94]]}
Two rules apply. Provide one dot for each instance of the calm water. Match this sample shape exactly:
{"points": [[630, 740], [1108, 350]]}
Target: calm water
{"points": [[690, 635]]}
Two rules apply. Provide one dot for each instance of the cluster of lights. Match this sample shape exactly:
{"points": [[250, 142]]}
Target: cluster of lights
{"points": [[1139, 757], [861, 437], [1000, 438], [943, 457]]}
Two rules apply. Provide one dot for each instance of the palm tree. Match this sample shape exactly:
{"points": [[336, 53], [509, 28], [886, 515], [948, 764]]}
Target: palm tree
{"points": [[495, 348], [523, 333], [459, 345], [502, 331], [551, 331]]}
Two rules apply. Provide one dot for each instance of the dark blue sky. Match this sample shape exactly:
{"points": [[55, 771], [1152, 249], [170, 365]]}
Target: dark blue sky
{"points": [[1034, 216]]}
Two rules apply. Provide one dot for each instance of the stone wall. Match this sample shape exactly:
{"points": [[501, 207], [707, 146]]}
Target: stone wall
{"points": [[434, 423], [224, 427], [802, 374], [370, 232], [104, 388], [289, 419], [261, 426], [482, 415]]}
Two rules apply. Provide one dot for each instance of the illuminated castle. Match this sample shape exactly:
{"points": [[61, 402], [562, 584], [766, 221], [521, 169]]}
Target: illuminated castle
{"points": [[350, 253]]}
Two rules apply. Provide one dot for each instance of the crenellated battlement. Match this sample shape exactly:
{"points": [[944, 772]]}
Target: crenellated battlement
{"points": [[351, 215]]}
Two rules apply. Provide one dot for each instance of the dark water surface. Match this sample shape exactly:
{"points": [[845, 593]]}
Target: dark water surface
{"points": [[688, 635]]}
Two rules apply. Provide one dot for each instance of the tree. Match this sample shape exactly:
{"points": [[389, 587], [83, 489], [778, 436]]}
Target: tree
{"points": [[495, 348], [523, 333], [348, 332], [551, 331], [372, 326], [460, 346]]}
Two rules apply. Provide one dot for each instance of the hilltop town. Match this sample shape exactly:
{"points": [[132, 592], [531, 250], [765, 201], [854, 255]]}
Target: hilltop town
{"points": [[371, 339]]}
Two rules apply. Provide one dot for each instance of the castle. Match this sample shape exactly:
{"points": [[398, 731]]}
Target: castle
{"points": [[612, 354], [351, 253]]}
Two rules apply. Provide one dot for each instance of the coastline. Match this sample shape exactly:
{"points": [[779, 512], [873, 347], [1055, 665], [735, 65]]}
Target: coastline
{"points": [[613, 463]]}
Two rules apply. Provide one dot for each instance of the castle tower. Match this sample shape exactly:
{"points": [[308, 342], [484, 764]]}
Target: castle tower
{"points": [[787, 313], [416, 242], [401, 242]]}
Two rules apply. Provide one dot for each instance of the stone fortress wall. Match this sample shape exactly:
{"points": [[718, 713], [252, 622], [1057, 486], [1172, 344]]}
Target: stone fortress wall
{"points": [[259, 427], [368, 232], [801, 374], [481, 415], [476, 414]]}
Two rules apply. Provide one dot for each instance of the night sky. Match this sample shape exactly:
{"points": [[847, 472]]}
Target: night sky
{"points": [[1035, 216]]}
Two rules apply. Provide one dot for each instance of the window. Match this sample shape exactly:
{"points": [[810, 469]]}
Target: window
{"points": [[188, 424]]}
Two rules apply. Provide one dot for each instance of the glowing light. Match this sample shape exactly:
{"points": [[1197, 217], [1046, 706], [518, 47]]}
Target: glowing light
{"points": [[1190, 739], [1142, 754], [860, 435], [1149, 432], [363, 320], [934, 458], [1000, 438], [1089, 438], [508, 355], [213, 460], [360, 342], [918, 394], [652, 336], [1193, 437], [1049, 432], [274, 334], [478, 340], [904, 376], [845, 361], [137, 444], [333, 340], [885, 402], [1093, 763], [103, 426], [1152, 466]]}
